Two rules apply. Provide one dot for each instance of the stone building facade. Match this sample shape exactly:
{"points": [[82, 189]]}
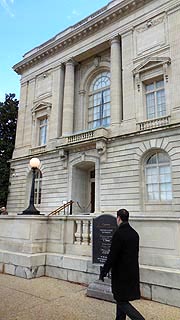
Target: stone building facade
{"points": [[100, 108]]}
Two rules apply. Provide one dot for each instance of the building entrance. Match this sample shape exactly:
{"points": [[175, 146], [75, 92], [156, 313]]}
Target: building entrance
{"points": [[83, 187]]}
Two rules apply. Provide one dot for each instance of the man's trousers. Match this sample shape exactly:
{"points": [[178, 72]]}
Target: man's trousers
{"points": [[125, 308]]}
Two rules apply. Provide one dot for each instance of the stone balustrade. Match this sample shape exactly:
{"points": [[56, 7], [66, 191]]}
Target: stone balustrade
{"points": [[153, 123], [81, 136]]}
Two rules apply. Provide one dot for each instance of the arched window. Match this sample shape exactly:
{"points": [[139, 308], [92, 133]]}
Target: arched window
{"points": [[158, 177], [99, 101], [38, 187]]}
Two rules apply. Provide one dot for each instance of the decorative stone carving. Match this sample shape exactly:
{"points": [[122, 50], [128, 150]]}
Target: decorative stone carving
{"points": [[63, 154], [97, 61], [151, 63], [101, 149]]}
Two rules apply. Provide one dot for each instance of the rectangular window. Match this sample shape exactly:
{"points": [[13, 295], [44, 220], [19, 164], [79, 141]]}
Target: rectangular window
{"points": [[42, 131], [155, 99]]}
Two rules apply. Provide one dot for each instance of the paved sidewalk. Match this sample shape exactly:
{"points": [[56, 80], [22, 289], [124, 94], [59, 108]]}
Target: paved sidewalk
{"points": [[52, 299]]}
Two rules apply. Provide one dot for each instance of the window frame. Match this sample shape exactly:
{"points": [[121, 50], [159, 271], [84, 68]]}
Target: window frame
{"points": [[42, 139], [149, 70], [155, 91], [158, 166], [101, 93], [40, 112]]}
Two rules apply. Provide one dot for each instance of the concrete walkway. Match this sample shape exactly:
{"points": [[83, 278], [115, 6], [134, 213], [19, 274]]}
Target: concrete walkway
{"points": [[52, 299]]}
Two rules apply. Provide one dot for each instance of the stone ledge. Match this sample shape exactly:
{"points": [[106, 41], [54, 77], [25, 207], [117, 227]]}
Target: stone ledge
{"points": [[164, 277], [22, 259]]}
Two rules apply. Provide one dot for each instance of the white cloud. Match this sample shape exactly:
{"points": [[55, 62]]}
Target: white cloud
{"points": [[74, 14], [6, 5]]}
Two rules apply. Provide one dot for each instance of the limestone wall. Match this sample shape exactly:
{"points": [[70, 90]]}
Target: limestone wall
{"points": [[57, 247]]}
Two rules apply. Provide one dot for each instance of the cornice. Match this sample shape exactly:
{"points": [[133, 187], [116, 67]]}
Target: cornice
{"points": [[81, 30]]}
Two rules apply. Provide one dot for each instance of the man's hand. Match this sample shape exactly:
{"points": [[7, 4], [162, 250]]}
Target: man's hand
{"points": [[102, 274]]}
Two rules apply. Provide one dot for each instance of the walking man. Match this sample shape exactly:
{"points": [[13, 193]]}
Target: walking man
{"points": [[123, 263]]}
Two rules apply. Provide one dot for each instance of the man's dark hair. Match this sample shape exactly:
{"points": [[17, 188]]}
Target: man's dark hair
{"points": [[123, 214]]}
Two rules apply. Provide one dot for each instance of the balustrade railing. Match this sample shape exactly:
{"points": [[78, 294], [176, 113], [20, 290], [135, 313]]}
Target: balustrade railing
{"points": [[81, 136], [82, 231], [153, 123]]}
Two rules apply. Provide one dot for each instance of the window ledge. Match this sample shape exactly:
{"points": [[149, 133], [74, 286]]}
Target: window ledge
{"points": [[158, 202], [153, 123], [38, 149]]}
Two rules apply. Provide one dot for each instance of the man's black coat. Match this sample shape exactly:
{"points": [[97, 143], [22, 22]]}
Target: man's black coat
{"points": [[123, 262]]}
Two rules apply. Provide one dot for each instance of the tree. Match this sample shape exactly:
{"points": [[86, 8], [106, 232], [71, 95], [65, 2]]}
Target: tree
{"points": [[8, 121]]}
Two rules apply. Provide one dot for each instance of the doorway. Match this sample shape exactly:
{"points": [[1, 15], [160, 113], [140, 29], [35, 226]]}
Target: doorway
{"points": [[83, 187]]}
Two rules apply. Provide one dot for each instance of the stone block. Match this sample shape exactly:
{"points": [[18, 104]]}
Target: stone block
{"points": [[55, 246], [54, 231], [55, 272], [21, 272], [80, 277], [79, 250], [23, 259], [75, 263], [166, 295], [9, 268], [165, 277], [55, 260], [40, 271], [39, 231], [38, 259], [146, 291], [14, 230]]}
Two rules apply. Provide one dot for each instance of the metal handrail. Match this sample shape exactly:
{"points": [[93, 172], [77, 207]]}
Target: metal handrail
{"points": [[62, 207]]}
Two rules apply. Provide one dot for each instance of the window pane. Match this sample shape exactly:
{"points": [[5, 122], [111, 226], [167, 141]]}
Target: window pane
{"points": [[101, 81], [160, 84], [150, 87], [96, 113], [42, 131], [152, 159], [150, 105], [161, 104], [162, 158]]}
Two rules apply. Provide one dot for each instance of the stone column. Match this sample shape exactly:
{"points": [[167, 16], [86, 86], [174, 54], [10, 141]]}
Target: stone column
{"points": [[116, 82], [68, 105], [57, 102]]}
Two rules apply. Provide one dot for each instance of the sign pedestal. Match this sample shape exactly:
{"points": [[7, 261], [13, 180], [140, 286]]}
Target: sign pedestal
{"points": [[100, 290], [103, 229]]}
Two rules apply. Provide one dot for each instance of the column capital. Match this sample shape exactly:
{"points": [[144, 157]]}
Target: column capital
{"points": [[115, 39], [59, 67], [70, 61], [82, 92]]}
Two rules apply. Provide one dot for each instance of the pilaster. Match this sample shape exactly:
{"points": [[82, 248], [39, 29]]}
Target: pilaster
{"points": [[68, 104], [116, 82], [57, 102]]}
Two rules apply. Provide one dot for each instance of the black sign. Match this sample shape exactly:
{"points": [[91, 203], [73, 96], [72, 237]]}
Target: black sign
{"points": [[103, 229]]}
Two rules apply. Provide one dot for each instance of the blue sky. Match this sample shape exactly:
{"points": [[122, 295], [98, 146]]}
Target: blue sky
{"points": [[25, 24]]}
